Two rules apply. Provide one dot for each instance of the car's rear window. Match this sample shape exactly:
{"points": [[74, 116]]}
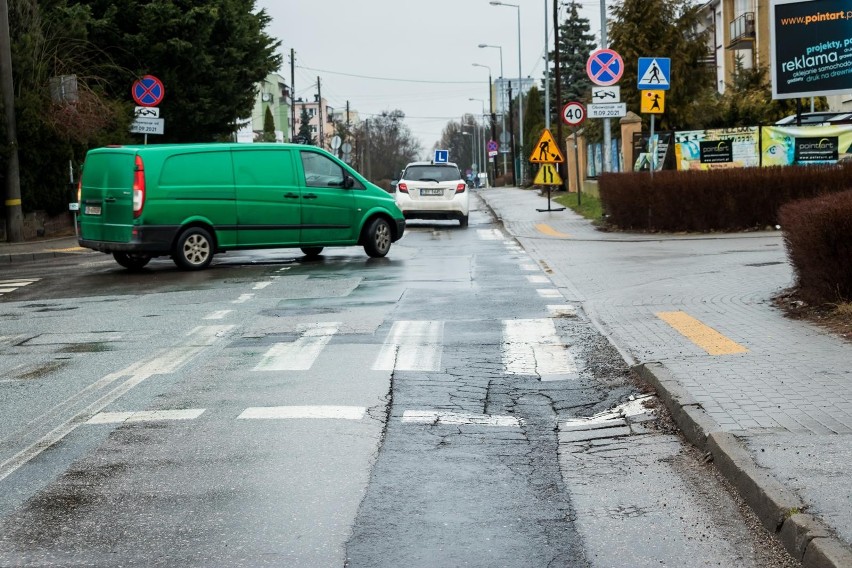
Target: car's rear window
{"points": [[432, 173]]}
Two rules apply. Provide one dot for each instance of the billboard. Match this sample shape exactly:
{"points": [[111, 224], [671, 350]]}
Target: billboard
{"points": [[717, 148], [811, 48], [788, 145]]}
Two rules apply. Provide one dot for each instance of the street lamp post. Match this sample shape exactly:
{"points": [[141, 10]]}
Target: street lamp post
{"points": [[481, 152], [472, 141], [520, 89], [493, 108]]}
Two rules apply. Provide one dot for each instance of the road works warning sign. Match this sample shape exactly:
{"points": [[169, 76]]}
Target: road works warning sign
{"points": [[547, 175], [546, 151]]}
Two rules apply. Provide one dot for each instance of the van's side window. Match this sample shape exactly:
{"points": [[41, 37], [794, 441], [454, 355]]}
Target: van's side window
{"points": [[320, 171]]}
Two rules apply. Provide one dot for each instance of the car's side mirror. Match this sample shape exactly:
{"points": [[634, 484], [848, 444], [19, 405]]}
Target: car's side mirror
{"points": [[348, 182]]}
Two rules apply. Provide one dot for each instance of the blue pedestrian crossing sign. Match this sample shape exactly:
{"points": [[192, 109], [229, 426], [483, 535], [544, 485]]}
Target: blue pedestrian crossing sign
{"points": [[655, 73], [442, 156]]}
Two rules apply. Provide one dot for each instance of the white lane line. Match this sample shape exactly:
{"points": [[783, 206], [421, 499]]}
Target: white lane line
{"points": [[562, 310], [19, 282], [167, 361], [529, 267], [412, 346], [532, 347], [456, 418], [217, 315], [243, 299], [549, 293], [145, 416], [302, 412], [261, 285], [490, 234], [300, 354], [538, 279], [7, 290]]}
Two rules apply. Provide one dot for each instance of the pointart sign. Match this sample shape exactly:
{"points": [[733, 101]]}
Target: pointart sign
{"points": [[811, 48]]}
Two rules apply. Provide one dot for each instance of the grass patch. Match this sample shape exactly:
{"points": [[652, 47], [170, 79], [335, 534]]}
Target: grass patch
{"points": [[589, 207]]}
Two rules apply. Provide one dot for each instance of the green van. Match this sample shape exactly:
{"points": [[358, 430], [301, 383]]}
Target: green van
{"points": [[191, 201]]}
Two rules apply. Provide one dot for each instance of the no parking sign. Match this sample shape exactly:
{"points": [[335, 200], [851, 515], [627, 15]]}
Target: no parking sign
{"points": [[605, 67], [148, 91]]}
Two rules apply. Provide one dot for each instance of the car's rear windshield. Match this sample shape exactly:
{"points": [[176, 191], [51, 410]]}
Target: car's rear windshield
{"points": [[432, 173]]}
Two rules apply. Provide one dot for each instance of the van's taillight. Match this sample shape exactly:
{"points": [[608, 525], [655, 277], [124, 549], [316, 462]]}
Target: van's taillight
{"points": [[80, 188], [461, 187], [138, 187], [402, 187]]}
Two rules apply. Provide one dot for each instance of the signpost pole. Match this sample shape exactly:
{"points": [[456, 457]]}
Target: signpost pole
{"points": [[652, 150], [577, 168], [607, 164]]}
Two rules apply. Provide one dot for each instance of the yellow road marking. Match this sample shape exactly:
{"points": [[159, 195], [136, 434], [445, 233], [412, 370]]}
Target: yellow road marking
{"points": [[702, 335], [548, 230]]}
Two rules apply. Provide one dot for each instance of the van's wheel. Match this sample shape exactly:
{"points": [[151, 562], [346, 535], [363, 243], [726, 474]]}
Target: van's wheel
{"points": [[194, 249], [311, 252], [131, 261], [463, 220], [377, 238]]}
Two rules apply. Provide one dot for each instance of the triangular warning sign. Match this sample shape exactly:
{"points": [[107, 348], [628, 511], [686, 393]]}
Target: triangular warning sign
{"points": [[654, 76], [546, 151], [547, 175]]}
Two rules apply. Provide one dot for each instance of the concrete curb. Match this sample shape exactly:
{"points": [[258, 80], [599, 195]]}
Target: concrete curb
{"points": [[780, 510], [34, 256]]}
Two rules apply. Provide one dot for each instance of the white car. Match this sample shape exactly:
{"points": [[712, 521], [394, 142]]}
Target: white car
{"points": [[428, 190]]}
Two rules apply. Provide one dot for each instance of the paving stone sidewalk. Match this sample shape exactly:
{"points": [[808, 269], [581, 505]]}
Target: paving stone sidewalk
{"points": [[777, 417]]}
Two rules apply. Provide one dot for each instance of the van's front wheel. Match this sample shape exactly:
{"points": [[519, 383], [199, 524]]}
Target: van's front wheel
{"points": [[131, 261], [194, 249], [377, 238]]}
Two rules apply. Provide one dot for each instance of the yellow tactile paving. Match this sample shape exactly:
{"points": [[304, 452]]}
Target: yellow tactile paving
{"points": [[702, 335], [550, 231]]}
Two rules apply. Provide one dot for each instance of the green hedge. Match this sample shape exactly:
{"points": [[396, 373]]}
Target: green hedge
{"points": [[717, 200], [818, 236]]}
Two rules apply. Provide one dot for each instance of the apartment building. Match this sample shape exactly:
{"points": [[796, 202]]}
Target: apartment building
{"points": [[320, 117], [273, 93], [740, 35]]}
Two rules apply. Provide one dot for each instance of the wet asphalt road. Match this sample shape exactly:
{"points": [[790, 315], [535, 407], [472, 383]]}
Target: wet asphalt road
{"points": [[407, 411]]}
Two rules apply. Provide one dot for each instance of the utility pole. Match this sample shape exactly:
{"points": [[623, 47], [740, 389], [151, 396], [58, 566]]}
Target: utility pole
{"points": [[512, 138], [560, 167], [367, 160], [14, 215], [319, 113], [292, 95]]}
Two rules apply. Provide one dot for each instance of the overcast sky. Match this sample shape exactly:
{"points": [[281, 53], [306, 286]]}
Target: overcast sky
{"points": [[413, 56]]}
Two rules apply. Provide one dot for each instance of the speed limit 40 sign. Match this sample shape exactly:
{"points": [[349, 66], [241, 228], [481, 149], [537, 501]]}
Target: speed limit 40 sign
{"points": [[573, 114]]}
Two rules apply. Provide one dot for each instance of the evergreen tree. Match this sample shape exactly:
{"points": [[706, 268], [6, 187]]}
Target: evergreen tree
{"points": [[268, 126], [534, 126], [575, 45], [666, 28], [305, 132]]}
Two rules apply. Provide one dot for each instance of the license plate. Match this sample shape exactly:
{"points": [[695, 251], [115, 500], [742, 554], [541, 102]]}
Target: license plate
{"points": [[93, 210], [431, 192]]}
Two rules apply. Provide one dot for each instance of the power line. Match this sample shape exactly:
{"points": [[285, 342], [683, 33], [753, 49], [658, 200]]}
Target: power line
{"points": [[389, 78]]}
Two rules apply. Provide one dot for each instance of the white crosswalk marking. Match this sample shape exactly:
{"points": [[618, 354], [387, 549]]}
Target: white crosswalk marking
{"points": [[549, 293], [538, 279], [532, 347], [456, 418], [490, 234], [7, 286], [145, 416], [293, 412], [412, 346], [217, 315], [301, 354]]}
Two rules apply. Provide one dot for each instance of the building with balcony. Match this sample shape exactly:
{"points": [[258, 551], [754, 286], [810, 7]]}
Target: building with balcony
{"points": [[273, 93], [320, 117], [739, 36]]}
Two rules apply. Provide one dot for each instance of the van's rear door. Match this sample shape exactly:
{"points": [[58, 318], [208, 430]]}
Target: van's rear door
{"points": [[106, 197]]}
